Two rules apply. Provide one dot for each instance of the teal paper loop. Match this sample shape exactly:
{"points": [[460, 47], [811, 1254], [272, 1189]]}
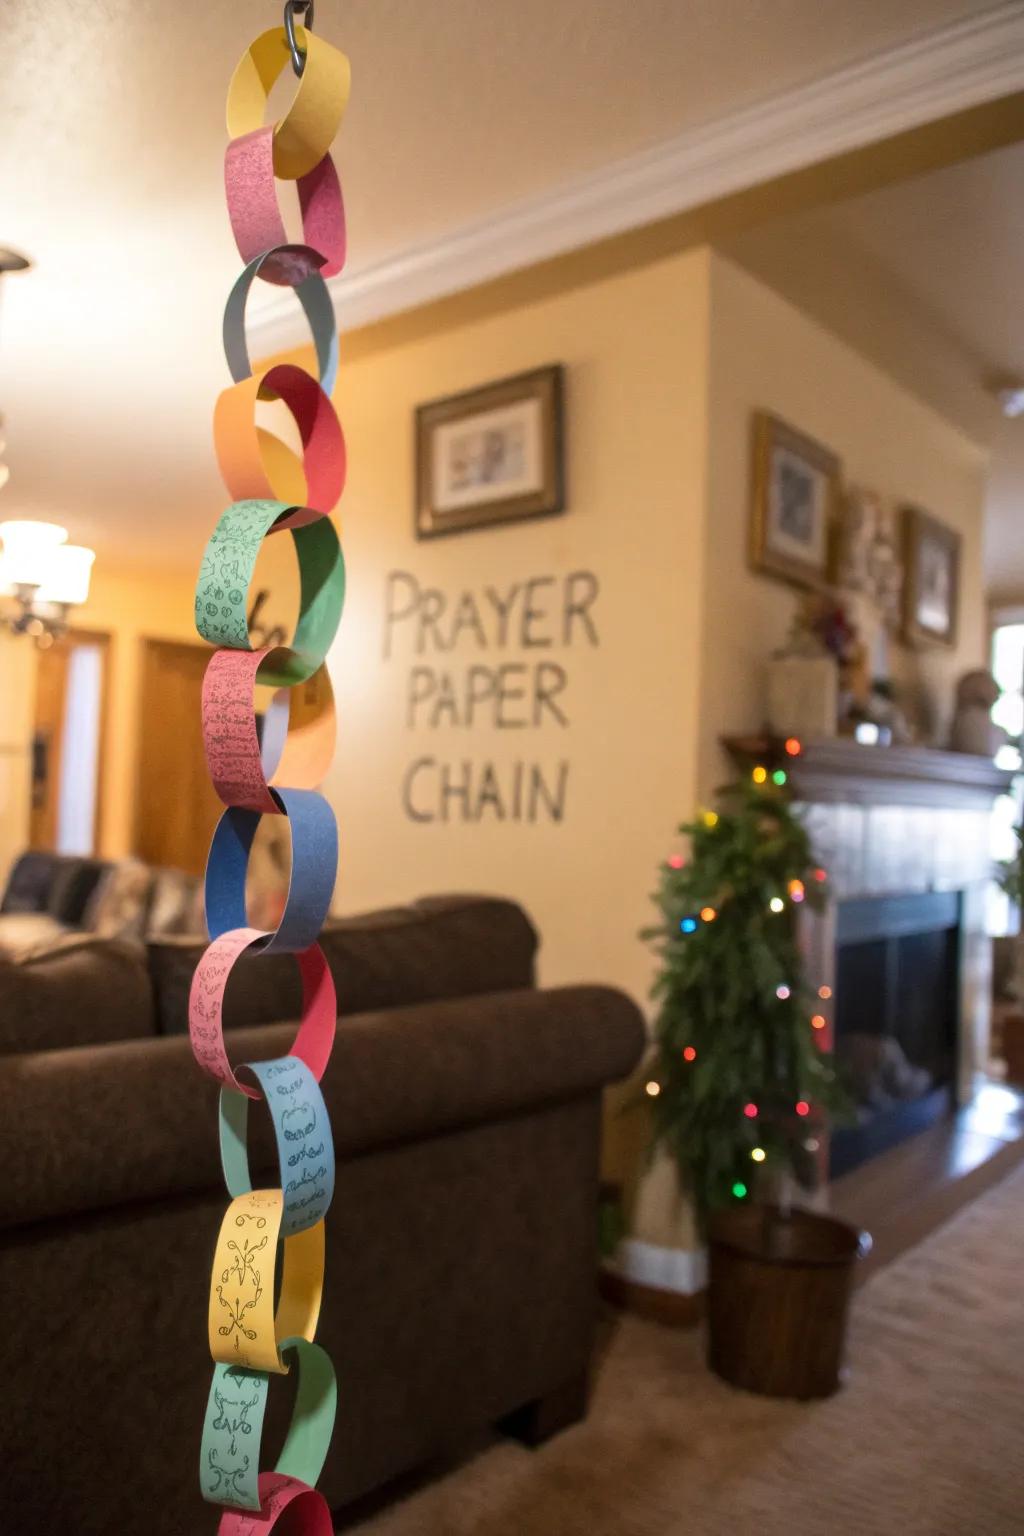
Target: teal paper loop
{"points": [[229, 1458], [312, 293], [222, 589], [302, 1132]]}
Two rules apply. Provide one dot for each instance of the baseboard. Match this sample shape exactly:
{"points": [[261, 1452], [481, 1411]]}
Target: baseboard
{"points": [[665, 1285]]}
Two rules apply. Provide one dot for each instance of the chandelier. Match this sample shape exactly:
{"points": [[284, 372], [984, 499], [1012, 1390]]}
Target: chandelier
{"points": [[41, 578]]}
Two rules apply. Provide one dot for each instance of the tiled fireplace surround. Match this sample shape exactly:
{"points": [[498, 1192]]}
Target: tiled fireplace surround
{"points": [[890, 821]]}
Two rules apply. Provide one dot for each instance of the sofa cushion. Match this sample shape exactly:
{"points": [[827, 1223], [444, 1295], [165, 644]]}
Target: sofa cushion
{"points": [[74, 881], [120, 902], [22, 933], [30, 881], [83, 991], [441, 947]]}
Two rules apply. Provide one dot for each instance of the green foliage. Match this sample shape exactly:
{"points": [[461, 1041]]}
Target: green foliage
{"points": [[718, 996]]}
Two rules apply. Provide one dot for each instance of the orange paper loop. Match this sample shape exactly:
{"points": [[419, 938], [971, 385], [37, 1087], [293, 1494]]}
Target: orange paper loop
{"points": [[256, 465]]}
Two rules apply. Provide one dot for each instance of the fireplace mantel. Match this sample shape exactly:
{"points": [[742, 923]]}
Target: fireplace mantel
{"points": [[850, 773]]}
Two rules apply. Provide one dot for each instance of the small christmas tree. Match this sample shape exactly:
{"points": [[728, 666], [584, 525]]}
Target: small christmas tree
{"points": [[740, 1085]]}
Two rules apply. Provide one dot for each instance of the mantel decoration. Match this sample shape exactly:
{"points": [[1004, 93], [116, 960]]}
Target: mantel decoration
{"points": [[268, 1269]]}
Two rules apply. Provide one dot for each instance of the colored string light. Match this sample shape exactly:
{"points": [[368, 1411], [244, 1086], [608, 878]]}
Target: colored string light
{"points": [[750, 1110], [739, 1189], [676, 861], [652, 1089], [821, 876], [759, 775], [818, 1021], [802, 1107], [758, 1155], [825, 993], [689, 925], [782, 993], [780, 776], [708, 914], [689, 1053], [710, 818], [793, 746], [777, 904]]}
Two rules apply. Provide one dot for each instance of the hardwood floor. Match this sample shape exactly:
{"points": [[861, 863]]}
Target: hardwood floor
{"points": [[909, 1191]]}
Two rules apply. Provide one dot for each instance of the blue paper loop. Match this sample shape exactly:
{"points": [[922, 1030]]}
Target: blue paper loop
{"points": [[314, 869], [314, 296], [302, 1131]]}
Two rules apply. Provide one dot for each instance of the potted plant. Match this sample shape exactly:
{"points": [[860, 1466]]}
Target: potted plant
{"points": [[740, 1087]]}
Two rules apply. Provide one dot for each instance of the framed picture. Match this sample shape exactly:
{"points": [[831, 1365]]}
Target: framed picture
{"points": [[795, 501], [931, 585], [491, 455]]}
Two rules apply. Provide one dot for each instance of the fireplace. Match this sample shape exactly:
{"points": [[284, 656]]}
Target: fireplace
{"points": [[896, 1017], [900, 951]]}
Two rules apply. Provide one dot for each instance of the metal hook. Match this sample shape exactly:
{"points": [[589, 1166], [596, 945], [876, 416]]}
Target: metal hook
{"points": [[298, 54]]}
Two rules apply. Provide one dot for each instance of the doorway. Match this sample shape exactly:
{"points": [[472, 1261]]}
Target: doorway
{"points": [[176, 806], [68, 732]]}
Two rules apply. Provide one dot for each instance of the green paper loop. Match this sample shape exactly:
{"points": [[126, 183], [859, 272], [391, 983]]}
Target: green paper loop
{"points": [[233, 1427], [222, 590]]}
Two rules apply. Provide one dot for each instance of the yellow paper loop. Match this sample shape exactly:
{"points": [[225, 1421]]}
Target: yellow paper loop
{"points": [[243, 1328], [305, 133]]}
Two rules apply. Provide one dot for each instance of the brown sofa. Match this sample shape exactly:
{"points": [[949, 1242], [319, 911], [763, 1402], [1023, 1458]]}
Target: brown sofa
{"points": [[461, 1241]]}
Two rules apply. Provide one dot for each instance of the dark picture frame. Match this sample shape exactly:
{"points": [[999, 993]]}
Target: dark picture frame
{"points": [[931, 583], [794, 503], [491, 455]]}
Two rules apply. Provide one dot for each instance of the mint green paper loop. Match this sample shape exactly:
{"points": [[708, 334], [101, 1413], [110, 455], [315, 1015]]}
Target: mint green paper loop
{"points": [[229, 1459], [222, 590]]}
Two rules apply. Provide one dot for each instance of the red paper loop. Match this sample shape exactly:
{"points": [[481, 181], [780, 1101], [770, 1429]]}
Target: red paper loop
{"points": [[255, 213], [308, 1512], [240, 444], [315, 1036]]}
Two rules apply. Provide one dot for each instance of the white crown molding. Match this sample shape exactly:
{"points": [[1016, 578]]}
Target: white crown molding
{"points": [[944, 71]]}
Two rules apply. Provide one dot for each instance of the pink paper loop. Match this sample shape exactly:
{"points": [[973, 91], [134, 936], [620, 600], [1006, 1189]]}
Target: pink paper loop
{"points": [[308, 1512], [255, 213], [315, 1037], [242, 769]]}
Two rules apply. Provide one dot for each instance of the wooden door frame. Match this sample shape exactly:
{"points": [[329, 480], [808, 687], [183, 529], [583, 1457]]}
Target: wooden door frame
{"points": [[145, 642], [105, 641]]}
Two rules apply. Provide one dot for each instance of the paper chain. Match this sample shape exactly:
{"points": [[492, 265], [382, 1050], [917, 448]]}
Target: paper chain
{"points": [[277, 1232]]}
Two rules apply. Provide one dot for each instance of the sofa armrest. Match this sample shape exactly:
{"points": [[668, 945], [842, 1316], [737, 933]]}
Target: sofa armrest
{"points": [[101, 1126]]}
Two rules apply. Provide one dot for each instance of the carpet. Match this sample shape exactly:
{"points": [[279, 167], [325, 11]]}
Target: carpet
{"points": [[926, 1439]]}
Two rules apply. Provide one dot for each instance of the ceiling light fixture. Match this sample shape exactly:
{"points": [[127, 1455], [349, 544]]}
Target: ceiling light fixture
{"points": [[44, 575]]}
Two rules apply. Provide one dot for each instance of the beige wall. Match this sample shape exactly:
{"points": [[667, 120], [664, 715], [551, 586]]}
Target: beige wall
{"points": [[634, 347], [765, 354]]}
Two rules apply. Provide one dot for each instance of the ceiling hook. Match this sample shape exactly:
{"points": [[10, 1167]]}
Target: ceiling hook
{"points": [[298, 54]]}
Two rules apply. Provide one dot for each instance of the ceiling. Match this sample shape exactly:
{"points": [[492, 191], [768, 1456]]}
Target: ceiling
{"points": [[110, 164], [927, 277]]}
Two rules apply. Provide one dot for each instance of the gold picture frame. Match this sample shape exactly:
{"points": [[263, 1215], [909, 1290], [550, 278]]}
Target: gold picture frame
{"points": [[931, 583], [794, 503], [491, 455]]}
